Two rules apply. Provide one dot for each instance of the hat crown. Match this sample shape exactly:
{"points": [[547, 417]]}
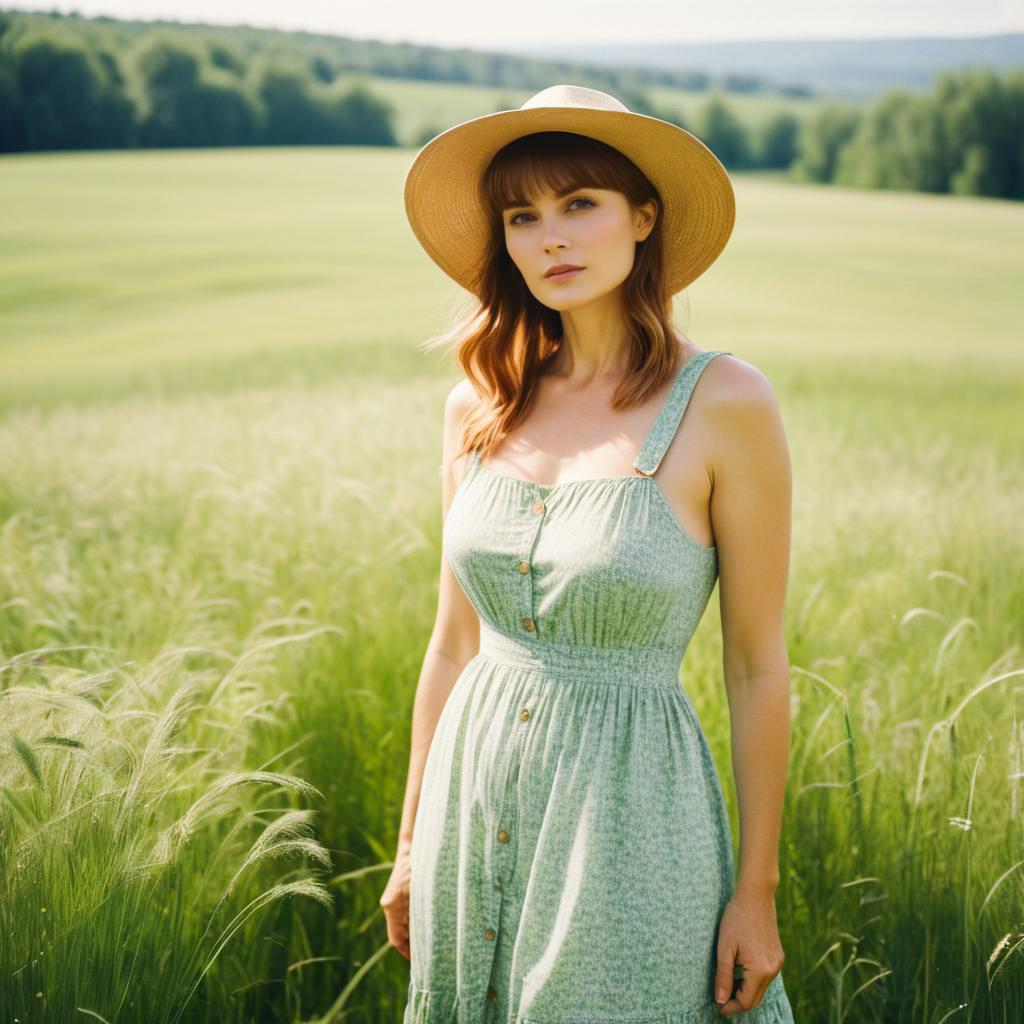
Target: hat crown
{"points": [[574, 96]]}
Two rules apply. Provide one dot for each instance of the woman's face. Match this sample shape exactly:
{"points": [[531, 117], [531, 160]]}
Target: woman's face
{"points": [[593, 228]]}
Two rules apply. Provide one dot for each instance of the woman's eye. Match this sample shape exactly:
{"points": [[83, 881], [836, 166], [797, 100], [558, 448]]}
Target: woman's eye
{"points": [[579, 199]]}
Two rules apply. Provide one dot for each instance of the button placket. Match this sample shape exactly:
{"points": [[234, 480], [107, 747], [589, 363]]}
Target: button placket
{"points": [[504, 849], [504, 852], [528, 623]]}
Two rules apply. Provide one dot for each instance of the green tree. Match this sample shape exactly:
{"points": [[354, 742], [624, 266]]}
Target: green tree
{"points": [[170, 73], [979, 172], [292, 115], [322, 69], [982, 122], [724, 134], [1014, 82], [823, 136], [226, 58], [187, 108], [362, 118], [66, 98], [898, 144], [13, 130], [778, 140], [223, 116], [168, 65]]}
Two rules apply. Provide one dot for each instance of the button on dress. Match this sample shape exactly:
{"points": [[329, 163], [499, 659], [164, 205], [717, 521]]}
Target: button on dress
{"points": [[571, 854]]}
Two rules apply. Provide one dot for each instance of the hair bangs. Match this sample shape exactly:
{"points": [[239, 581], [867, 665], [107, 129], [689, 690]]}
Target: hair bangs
{"points": [[558, 162]]}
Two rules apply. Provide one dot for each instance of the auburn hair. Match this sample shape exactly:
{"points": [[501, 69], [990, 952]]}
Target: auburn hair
{"points": [[503, 337]]}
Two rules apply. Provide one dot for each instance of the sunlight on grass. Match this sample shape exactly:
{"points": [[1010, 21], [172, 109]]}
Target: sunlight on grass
{"points": [[219, 546]]}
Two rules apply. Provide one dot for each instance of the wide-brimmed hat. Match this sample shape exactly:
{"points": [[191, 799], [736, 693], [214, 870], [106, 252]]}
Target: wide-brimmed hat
{"points": [[445, 207]]}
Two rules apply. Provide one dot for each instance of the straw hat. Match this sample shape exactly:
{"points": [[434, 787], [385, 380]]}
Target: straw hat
{"points": [[446, 212]]}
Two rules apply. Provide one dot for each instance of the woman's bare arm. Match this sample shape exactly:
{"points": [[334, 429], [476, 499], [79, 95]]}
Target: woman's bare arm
{"points": [[751, 508], [456, 634]]}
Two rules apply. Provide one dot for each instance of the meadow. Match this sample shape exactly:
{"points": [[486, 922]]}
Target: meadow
{"points": [[219, 545], [421, 104]]}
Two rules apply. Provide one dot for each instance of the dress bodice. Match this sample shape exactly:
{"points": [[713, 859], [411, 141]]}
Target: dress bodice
{"points": [[602, 563]]}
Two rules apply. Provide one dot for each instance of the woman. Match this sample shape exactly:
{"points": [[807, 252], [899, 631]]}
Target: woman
{"points": [[564, 852]]}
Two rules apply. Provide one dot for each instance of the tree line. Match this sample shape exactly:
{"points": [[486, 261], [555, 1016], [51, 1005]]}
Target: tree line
{"points": [[965, 137], [330, 55], [167, 86], [60, 91]]}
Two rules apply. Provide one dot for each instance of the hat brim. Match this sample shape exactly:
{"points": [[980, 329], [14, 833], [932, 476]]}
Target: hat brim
{"points": [[445, 212]]}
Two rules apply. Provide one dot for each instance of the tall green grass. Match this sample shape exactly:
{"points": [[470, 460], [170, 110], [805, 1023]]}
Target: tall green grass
{"points": [[218, 569], [135, 848]]}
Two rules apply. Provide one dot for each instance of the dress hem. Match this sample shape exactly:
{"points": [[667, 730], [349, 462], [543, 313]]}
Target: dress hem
{"points": [[433, 1006]]}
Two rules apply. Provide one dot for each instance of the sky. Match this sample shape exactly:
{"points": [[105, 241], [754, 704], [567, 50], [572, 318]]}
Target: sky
{"points": [[485, 24]]}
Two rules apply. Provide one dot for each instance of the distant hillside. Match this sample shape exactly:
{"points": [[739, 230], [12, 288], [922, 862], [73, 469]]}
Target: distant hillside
{"points": [[850, 68], [330, 55]]}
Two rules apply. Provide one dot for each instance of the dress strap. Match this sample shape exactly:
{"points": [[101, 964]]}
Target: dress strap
{"points": [[665, 426]]}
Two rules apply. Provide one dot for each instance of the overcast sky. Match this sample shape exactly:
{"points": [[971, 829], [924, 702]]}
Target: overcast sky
{"points": [[506, 25]]}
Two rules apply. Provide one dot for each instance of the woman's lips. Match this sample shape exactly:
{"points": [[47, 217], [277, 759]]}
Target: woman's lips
{"points": [[565, 274]]}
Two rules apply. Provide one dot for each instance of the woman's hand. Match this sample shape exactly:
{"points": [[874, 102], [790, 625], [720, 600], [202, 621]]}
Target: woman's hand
{"points": [[395, 901], [748, 935]]}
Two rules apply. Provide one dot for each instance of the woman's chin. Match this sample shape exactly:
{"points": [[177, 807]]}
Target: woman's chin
{"points": [[566, 302]]}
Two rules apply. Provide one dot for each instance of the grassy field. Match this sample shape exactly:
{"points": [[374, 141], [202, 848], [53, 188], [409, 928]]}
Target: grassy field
{"points": [[219, 540], [421, 105]]}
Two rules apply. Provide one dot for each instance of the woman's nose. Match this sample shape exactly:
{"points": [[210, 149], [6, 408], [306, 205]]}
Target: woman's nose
{"points": [[553, 236]]}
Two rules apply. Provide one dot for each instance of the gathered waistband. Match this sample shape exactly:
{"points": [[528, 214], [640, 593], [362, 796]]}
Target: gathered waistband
{"points": [[636, 666]]}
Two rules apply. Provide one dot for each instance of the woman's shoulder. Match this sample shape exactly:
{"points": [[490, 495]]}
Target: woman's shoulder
{"points": [[739, 407], [726, 373], [461, 399], [731, 382]]}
